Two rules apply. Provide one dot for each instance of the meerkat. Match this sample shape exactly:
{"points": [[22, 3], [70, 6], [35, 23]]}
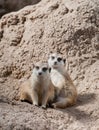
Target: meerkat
{"points": [[65, 90], [38, 89]]}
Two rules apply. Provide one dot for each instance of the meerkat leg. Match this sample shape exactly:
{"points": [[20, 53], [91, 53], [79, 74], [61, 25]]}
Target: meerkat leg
{"points": [[34, 97], [62, 103], [44, 100], [59, 104], [23, 96]]}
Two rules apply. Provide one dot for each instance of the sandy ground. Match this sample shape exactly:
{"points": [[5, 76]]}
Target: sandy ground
{"points": [[18, 115]]}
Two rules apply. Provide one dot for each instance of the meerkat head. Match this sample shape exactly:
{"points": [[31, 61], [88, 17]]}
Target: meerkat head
{"points": [[56, 60], [41, 70]]}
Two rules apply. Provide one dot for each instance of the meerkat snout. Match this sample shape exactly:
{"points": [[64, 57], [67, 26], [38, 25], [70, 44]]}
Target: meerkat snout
{"points": [[40, 73], [55, 63]]}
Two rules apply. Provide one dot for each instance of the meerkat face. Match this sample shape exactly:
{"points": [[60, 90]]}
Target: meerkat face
{"points": [[56, 60], [41, 70]]}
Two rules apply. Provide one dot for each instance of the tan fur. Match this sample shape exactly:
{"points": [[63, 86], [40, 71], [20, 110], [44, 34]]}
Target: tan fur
{"points": [[66, 93], [37, 91]]}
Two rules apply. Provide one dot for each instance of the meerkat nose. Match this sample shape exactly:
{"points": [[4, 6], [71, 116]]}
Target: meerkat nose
{"points": [[55, 63], [40, 73]]}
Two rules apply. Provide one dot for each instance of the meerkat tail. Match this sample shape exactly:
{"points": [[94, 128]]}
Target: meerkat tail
{"points": [[63, 103], [26, 97]]}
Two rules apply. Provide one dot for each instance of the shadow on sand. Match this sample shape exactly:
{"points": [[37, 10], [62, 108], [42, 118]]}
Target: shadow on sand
{"points": [[77, 110], [4, 99]]}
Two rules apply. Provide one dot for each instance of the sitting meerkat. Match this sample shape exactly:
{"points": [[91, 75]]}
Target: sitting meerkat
{"points": [[66, 93], [38, 89]]}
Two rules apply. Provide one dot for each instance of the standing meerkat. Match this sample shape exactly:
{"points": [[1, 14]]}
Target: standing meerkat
{"points": [[38, 89], [66, 93]]}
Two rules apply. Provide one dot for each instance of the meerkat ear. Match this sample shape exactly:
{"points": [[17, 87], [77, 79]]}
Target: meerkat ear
{"points": [[49, 70], [49, 56], [33, 65], [64, 61], [51, 52]]}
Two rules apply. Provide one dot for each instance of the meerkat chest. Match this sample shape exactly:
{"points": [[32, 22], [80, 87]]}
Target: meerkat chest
{"points": [[57, 79], [40, 86]]}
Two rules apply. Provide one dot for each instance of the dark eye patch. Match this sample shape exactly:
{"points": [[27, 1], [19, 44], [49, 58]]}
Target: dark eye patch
{"points": [[53, 57], [37, 67], [44, 69], [59, 59]]}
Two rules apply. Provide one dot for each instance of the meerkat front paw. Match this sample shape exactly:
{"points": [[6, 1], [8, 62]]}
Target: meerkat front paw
{"points": [[54, 105], [43, 106], [35, 104]]}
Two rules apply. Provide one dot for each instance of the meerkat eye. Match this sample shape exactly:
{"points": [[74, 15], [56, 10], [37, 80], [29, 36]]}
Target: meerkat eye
{"points": [[59, 59], [44, 69], [53, 57], [37, 67]]}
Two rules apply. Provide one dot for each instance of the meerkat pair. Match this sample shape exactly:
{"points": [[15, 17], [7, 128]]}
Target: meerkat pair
{"points": [[47, 84]]}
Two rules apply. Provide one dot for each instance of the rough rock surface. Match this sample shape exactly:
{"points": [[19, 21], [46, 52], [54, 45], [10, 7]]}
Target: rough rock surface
{"points": [[69, 27], [7, 6]]}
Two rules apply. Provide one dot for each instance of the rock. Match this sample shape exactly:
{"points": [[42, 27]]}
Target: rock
{"points": [[7, 6]]}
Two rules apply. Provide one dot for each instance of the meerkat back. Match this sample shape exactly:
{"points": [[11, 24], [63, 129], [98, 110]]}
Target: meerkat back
{"points": [[25, 90]]}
